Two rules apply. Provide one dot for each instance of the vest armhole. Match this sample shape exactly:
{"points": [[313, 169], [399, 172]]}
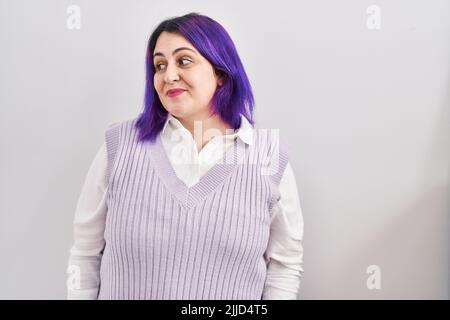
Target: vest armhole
{"points": [[112, 137], [275, 178]]}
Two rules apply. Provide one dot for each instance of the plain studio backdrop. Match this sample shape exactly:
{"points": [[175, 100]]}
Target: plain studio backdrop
{"points": [[359, 89]]}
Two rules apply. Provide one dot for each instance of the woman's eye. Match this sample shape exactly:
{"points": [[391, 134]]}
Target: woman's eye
{"points": [[183, 59], [157, 66]]}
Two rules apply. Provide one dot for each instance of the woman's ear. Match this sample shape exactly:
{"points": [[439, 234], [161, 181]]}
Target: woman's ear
{"points": [[220, 75]]}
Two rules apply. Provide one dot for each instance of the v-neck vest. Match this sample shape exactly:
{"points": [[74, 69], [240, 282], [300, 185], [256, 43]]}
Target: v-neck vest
{"points": [[164, 240]]}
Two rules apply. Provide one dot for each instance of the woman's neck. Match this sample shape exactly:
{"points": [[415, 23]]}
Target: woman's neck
{"points": [[204, 129]]}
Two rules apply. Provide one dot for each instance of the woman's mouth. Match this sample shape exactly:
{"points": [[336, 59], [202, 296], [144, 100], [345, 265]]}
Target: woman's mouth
{"points": [[174, 93]]}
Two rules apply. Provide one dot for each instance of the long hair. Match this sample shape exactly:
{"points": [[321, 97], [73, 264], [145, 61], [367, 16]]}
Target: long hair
{"points": [[230, 100]]}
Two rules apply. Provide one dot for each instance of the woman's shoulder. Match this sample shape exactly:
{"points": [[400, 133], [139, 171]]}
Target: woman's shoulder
{"points": [[271, 141], [127, 123]]}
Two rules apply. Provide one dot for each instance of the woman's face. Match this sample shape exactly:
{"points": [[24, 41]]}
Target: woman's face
{"points": [[186, 69]]}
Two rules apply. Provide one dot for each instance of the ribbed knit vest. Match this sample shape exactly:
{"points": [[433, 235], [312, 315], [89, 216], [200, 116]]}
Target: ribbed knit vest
{"points": [[164, 240]]}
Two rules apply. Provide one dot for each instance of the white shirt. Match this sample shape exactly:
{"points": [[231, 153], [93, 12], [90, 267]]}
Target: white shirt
{"points": [[284, 251]]}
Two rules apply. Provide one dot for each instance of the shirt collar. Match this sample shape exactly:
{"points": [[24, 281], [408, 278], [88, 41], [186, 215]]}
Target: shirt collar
{"points": [[245, 132]]}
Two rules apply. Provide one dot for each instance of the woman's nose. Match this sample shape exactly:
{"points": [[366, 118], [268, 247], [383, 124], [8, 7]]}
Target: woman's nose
{"points": [[171, 74]]}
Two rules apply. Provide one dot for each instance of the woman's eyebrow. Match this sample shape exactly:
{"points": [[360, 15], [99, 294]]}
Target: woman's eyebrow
{"points": [[174, 51]]}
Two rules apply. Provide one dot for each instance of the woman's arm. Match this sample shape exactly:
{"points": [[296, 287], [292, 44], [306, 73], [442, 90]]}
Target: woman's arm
{"points": [[285, 251], [88, 229]]}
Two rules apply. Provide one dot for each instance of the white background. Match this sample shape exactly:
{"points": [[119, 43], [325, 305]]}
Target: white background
{"points": [[366, 113]]}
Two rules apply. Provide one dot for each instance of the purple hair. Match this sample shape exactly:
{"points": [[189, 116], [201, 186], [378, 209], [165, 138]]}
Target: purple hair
{"points": [[233, 98]]}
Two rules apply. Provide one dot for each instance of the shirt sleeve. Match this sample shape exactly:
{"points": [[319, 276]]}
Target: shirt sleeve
{"points": [[88, 229], [284, 252]]}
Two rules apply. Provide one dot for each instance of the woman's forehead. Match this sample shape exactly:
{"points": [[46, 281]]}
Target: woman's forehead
{"points": [[169, 41]]}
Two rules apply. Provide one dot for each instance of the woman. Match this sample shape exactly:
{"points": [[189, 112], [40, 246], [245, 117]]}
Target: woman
{"points": [[161, 214]]}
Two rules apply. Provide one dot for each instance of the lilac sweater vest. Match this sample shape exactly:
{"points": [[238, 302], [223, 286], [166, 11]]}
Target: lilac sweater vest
{"points": [[167, 241]]}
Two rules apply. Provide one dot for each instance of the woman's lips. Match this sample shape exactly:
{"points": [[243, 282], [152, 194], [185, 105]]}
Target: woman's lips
{"points": [[174, 93]]}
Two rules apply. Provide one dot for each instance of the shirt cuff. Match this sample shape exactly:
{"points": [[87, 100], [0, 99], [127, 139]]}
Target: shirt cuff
{"points": [[273, 293], [86, 294]]}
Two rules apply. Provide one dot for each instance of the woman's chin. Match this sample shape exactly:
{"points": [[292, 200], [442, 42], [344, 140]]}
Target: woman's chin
{"points": [[177, 112]]}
